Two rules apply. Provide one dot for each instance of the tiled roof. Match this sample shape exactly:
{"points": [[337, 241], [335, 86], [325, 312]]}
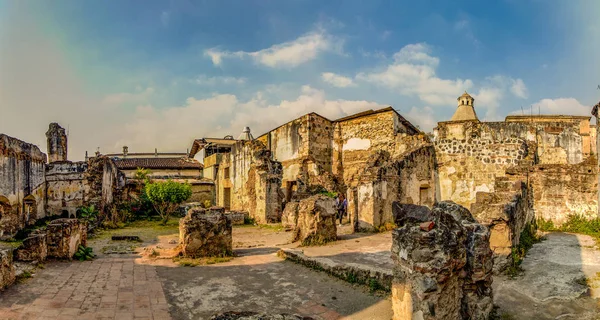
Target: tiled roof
{"points": [[157, 163]]}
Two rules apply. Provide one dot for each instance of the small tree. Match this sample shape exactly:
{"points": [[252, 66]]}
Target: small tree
{"points": [[166, 196]]}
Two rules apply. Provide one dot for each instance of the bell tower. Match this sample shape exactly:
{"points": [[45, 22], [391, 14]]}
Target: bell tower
{"points": [[465, 110]]}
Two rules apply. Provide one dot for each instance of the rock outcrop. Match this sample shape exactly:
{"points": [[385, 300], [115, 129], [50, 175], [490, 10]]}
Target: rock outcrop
{"points": [[205, 233], [443, 264], [316, 221]]}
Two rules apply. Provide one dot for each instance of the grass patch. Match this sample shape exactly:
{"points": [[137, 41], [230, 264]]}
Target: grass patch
{"points": [[388, 226], [24, 276], [497, 315], [574, 224], [193, 262], [527, 239], [275, 227]]}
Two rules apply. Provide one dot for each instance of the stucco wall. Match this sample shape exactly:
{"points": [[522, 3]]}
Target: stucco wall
{"points": [[67, 189], [22, 176]]}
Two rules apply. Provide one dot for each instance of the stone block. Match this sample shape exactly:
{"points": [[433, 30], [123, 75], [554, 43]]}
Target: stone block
{"points": [[64, 237], [289, 219], [205, 234], [236, 217], [7, 269], [183, 208], [443, 271], [34, 248], [316, 221]]}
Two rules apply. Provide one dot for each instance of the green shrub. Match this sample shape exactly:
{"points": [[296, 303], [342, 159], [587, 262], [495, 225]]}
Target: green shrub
{"points": [[166, 196], [84, 253]]}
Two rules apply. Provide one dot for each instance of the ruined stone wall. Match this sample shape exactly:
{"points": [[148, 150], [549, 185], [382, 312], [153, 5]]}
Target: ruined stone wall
{"points": [[167, 173], [106, 184], [563, 190], [470, 155], [57, 143], [289, 144], [22, 188], [320, 135], [409, 179], [355, 140], [202, 192], [66, 187], [254, 181]]}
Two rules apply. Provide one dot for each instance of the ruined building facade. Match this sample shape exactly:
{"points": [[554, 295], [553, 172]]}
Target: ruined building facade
{"points": [[374, 158]]}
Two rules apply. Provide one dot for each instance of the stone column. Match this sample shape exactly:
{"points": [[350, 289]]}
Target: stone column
{"points": [[595, 114]]}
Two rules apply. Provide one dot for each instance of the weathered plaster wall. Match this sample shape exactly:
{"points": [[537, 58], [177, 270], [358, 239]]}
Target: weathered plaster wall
{"points": [[471, 165], [563, 190], [22, 188], [167, 173], [66, 188], [254, 181]]}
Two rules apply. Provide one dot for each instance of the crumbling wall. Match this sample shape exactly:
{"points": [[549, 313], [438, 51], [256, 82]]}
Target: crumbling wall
{"points": [[442, 264], [22, 188], [64, 236], [470, 155], [57, 143], [506, 213], [254, 181], [106, 184], [563, 190], [410, 179], [7, 269], [66, 187]]}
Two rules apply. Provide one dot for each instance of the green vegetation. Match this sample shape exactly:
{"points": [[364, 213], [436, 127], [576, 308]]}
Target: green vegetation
{"points": [[166, 196], [527, 239], [142, 174], [388, 226], [329, 194], [84, 253], [574, 224], [89, 213], [497, 315], [24, 275], [193, 262], [275, 226], [249, 220], [375, 286]]}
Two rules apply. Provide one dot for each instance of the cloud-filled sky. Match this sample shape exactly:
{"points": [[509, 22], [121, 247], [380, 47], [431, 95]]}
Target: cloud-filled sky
{"points": [[157, 74]]}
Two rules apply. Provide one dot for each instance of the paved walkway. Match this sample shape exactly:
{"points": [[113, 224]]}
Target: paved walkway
{"points": [[107, 288]]}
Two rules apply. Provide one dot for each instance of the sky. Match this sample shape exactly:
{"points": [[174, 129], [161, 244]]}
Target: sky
{"points": [[158, 74]]}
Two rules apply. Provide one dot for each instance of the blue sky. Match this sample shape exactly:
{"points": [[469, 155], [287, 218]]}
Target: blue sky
{"points": [[156, 74]]}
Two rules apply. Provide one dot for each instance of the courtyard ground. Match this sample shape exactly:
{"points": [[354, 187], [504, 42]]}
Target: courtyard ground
{"points": [[141, 280]]}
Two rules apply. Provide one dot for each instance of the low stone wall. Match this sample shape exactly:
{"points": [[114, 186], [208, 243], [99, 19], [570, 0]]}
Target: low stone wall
{"points": [[506, 212], [316, 221], [34, 248], [365, 275], [205, 234], [442, 264], [64, 237], [7, 270], [236, 217]]}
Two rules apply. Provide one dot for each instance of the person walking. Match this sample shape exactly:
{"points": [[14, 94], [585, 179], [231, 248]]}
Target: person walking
{"points": [[341, 205]]}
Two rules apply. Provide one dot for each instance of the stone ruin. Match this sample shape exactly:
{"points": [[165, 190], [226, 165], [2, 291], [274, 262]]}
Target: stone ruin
{"points": [[313, 220], [205, 233], [7, 269], [256, 316], [442, 264]]}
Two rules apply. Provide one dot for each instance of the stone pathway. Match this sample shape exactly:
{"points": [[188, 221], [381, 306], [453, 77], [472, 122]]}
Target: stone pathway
{"points": [[561, 281], [107, 288]]}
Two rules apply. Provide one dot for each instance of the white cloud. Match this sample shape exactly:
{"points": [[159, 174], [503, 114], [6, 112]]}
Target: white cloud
{"points": [[337, 80], [413, 73], [562, 106], [423, 117], [205, 80], [519, 89], [178, 126], [285, 55], [126, 97]]}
